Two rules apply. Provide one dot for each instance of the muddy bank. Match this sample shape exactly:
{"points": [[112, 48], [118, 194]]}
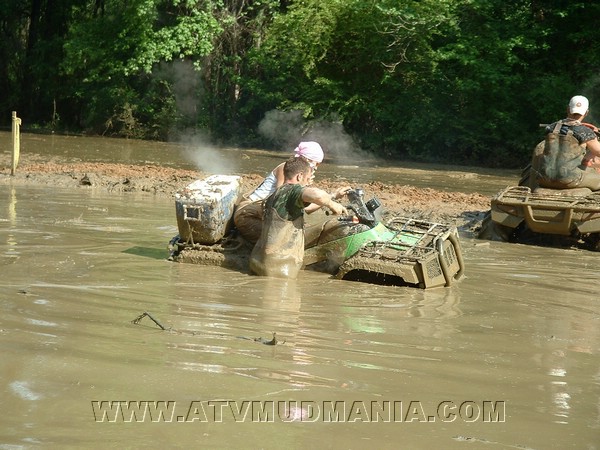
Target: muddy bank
{"points": [[464, 210]]}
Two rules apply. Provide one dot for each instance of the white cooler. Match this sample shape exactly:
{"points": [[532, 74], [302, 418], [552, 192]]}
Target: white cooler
{"points": [[204, 208]]}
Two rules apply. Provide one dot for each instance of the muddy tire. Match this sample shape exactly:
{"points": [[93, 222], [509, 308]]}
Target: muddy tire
{"points": [[592, 242], [493, 231]]}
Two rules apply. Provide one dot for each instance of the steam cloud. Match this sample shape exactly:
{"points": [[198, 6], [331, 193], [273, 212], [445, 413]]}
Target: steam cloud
{"points": [[187, 89], [288, 128], [285, 129], [205, 157]]}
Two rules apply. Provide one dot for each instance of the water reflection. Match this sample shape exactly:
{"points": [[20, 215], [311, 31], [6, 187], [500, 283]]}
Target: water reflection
{"points": [[11, 253], [12, 206], [574, 339]]}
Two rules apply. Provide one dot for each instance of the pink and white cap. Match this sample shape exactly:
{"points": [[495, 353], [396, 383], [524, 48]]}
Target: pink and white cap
{"points": [[310, 150]]}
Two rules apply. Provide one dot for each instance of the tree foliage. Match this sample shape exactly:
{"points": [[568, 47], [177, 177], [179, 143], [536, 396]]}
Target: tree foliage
{"points": [[464, 81], [114, 56]]}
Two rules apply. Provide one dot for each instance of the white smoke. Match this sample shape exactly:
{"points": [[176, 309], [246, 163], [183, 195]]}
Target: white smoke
{"points": [[283, 128], [187, 88], [206, 158], [288, 128], [185, 85]]}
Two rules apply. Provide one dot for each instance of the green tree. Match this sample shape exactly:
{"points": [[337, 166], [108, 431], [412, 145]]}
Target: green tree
{"points": [[243, 24], [509, 66], [13, 20], [464, 81], [32, 32], [352, 61], [114, 55], [475, 96]]}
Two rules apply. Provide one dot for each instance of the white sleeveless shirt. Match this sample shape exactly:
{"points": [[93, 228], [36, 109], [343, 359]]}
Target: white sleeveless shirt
{"points": [[266, 188]]}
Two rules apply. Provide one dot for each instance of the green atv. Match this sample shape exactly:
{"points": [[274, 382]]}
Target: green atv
{"points": [[359, 247]]}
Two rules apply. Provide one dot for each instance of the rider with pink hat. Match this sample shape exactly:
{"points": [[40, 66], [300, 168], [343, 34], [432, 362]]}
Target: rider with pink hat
{"points": [[311, 151], [248, 214]]}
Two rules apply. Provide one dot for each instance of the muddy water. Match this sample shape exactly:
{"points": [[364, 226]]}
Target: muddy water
{"points": [[507, 358], [195, 154]]}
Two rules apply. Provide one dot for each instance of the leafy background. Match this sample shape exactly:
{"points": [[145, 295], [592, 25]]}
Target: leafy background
{"points": [[456, 81]]}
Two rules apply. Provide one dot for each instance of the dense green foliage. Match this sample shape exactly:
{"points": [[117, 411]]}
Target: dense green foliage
{"points": [[462, 81]]}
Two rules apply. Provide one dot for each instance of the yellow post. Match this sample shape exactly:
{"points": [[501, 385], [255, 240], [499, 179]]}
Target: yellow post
{"points": [[16, 134]]}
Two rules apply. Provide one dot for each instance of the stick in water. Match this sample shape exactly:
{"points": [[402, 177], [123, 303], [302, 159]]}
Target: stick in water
{"points": [[141, 316]]}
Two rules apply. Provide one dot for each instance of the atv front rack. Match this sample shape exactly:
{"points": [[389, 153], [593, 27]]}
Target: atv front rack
{"points": [[419, 253]]}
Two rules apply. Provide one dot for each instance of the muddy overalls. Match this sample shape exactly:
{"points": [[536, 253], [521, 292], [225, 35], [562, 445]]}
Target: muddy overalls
{"points": [[279, 251]]}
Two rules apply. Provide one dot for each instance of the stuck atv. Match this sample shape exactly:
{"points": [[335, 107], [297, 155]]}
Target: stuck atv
{"points": [[359, 247]]}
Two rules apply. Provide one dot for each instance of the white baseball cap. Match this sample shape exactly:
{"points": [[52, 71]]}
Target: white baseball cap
{"points": [[578, 105]]}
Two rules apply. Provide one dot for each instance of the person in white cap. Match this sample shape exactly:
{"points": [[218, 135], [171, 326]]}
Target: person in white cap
{"points": [[568, 146], [249, 213]]}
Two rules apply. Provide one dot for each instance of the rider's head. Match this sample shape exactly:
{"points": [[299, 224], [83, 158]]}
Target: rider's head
{"points": [[311, 151], [297, 171], [578, 106]]}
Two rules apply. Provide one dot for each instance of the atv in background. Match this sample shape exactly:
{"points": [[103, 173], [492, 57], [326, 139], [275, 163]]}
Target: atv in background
{"points": [[528, 213]]}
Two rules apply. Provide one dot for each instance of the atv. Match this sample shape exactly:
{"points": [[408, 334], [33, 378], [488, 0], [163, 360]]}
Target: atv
{"points": [[528, 213], [358, 247]]}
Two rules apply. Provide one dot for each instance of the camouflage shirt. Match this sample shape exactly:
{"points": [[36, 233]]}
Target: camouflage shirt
{"points": [[287, 201], [581, 132]]}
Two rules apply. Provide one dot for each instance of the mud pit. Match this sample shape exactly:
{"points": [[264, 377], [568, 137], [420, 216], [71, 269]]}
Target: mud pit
{"points": [[462, 210], [465, 211]]}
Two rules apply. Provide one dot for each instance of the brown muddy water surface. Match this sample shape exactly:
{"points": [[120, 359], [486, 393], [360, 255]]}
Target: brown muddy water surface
{"points": [[507, 358]]}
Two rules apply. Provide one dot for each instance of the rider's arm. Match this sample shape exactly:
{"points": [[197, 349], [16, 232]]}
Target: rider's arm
{"points": [[337, 194], [593, 147], [321, 198], [311, 208]]}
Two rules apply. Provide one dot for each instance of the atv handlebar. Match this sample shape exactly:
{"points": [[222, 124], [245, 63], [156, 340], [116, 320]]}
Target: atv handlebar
{"points": [[363, 212]]}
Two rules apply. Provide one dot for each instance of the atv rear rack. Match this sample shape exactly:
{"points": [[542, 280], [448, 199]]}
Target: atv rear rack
{"points": [[522, 195], [547, 211]]}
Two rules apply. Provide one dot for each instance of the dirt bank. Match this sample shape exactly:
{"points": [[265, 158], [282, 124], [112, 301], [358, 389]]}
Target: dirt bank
{"points": [[460, 209]]}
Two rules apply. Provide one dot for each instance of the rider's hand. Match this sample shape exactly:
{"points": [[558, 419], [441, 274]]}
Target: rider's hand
{"points": [[337, 209], [340, 192]]}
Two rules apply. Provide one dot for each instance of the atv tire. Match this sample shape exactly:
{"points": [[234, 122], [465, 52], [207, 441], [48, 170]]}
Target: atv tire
{"points": [[493, 231]]}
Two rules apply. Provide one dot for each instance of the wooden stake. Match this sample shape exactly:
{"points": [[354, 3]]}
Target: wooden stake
{"points": [[16, 135]]}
